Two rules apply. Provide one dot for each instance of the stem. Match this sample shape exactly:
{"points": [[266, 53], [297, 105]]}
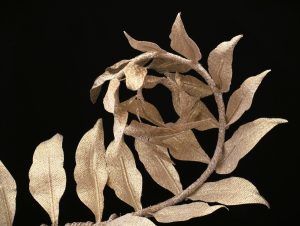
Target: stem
{"points": [[148, 211], [221, 136]]}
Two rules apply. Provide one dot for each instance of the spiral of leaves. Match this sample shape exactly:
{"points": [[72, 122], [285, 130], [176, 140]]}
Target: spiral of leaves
{"points": [[115, 166]]}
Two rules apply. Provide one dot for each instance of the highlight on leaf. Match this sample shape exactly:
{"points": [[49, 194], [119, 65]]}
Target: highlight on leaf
{"points": [[8, 193], [47, 176], [135, 75]]}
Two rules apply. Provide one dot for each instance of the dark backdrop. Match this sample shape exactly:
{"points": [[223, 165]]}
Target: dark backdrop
{"points": [[52, 52]]}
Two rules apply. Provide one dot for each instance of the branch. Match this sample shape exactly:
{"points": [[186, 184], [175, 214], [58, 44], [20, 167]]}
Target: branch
{"points": [[148, 211]]}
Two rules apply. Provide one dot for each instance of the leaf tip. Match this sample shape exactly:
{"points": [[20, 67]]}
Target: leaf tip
{"points": [[236, 39], [58, 137], [126, 34]]}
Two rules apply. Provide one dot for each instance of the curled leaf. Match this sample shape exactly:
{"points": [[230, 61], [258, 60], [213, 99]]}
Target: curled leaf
{"points": [[220, 63], [241, 100], [135, 75], [143, 46], [130, 220], [111, 98], [243, 140], [90, 171], [47, 176], [182, 43], [8, 192], [123, 176], [229, 191], [115, 71], [158, 164], [184, 212], [142, 109]]}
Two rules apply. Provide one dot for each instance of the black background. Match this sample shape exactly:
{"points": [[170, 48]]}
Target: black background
{"points": [[51, 52]]}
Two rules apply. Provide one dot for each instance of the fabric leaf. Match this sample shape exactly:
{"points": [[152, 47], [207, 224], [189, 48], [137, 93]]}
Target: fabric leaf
{"points": [[123, 176], [47, 176], [135, 75], [193, 86], [8, 192], [184, 212], [130, 220], [182, 43], [241, 100], [220, 63], [109, 74], [159, 165], [229, 191], [111, 98], [162, 65], [243, 140], [143, 46], [184, 146], [142, 109], [90, 171]]}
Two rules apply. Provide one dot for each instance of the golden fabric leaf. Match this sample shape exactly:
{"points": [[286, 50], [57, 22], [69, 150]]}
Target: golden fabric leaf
{"points": [[123, 176], [189, 108], [90, 171], [152, 81], [220, 63], [193, 86], [130, 220], [182, 43], [137, 129], [229, 191], [161, 170], [184, 212], [109, 74], [184, 146], [200, 113], [143, 46], [111, 98], [142, 109], [47, 175], [243, 140], [135, 75], [8, 192], [182, 102], [167, 65], [241, 100], [176, 138]]}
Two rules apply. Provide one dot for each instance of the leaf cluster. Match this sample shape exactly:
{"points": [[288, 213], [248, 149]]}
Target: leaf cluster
{"points": [[156, 141]]}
